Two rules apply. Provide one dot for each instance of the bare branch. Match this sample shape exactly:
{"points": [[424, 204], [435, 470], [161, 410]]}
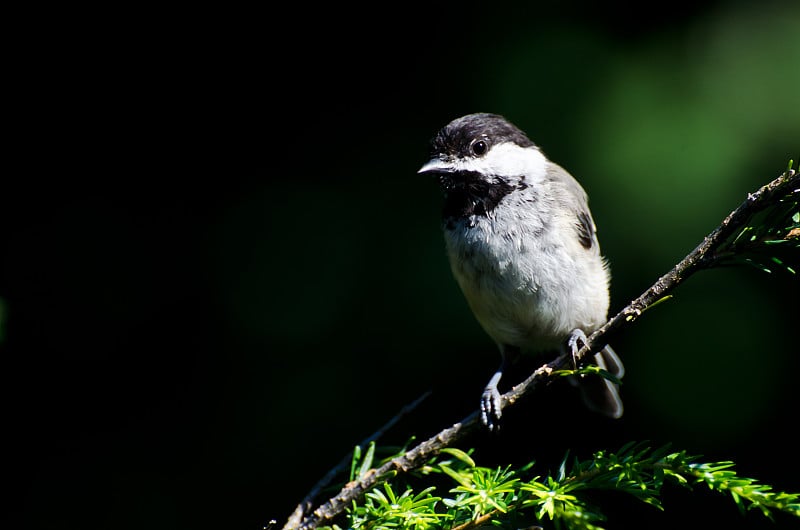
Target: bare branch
{"points": [[308, 502], [701, 257]]}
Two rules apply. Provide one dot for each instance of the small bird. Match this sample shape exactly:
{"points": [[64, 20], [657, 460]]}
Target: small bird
{"points": [[523, 247]]}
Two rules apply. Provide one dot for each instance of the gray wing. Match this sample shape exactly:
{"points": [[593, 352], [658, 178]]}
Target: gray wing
{"points": [[578, 204]]}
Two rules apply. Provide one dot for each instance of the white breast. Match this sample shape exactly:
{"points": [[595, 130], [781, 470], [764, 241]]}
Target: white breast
{"points": [[526, 277]]}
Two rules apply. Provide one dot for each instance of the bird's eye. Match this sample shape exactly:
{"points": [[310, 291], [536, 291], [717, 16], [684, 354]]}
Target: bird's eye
{"points": [[479, 147]]}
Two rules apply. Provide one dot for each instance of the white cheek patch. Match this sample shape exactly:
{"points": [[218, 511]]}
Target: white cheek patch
{"points": [[508, 160]]}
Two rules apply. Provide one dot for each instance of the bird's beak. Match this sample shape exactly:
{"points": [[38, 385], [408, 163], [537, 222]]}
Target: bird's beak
{"points": [[443, 171], [435, 167]]}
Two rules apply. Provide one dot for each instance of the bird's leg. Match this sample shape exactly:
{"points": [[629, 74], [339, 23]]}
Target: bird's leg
{"points": [[491, 401]]}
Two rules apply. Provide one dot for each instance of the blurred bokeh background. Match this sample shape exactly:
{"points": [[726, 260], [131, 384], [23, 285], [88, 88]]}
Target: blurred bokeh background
{"points": [[219, 269]]}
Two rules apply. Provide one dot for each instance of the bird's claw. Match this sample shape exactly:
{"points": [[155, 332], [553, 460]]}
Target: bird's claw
{"points": [[577, 340], [491, 408]]}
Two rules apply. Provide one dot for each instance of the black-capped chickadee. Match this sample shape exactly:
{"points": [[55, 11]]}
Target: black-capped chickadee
{"points": [[523, 248]]}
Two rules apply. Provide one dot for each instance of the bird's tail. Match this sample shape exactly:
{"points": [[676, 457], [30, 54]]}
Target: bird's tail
{"points": [[600, 394]]}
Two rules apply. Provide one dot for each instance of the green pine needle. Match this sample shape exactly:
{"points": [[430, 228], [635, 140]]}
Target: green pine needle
{"points": [[518, 498]]}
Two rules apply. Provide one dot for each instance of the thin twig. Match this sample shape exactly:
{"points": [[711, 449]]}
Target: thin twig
{"points": [[308, 502], [701, 257], [413, 459], [475, 523]]}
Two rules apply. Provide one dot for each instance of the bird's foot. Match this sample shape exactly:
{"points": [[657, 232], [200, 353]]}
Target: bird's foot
{"points": [[491, 407], [577, 340]]}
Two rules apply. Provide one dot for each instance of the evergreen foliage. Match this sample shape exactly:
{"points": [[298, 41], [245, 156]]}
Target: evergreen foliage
{"points": [[474, 496]]}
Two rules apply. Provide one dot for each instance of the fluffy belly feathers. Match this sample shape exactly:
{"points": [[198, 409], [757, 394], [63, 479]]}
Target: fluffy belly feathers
{"points": [[533, 304]]}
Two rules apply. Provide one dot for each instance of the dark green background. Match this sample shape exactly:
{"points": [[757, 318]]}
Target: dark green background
{"points": [[220, 271]]}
